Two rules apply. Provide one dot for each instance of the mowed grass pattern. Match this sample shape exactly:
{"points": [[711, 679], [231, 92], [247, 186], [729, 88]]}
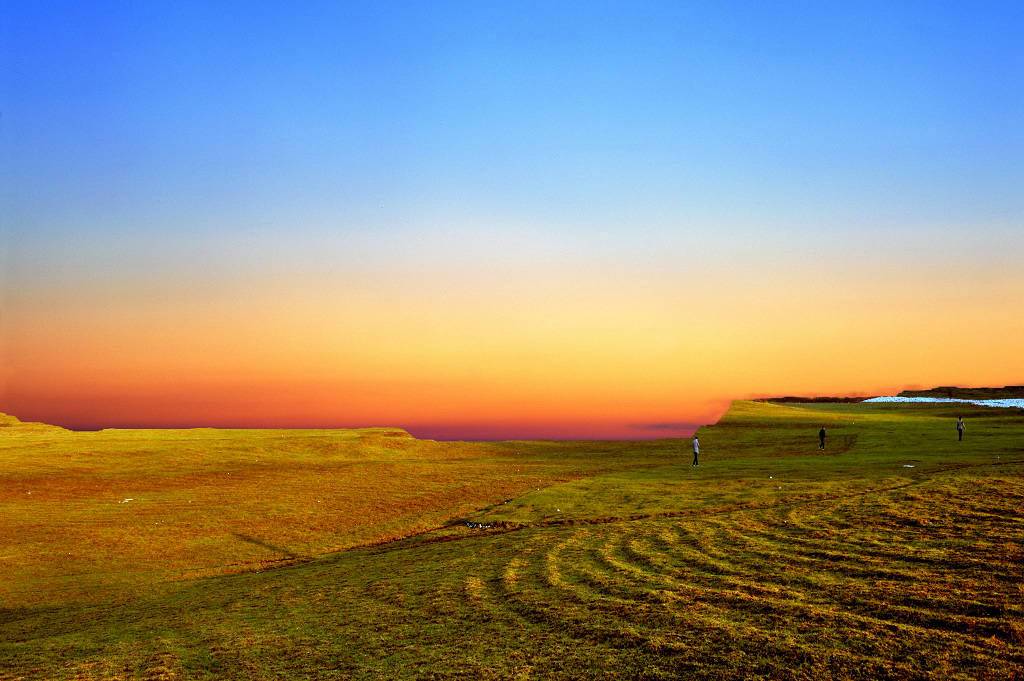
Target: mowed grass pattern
{"points": [[896, 553]]}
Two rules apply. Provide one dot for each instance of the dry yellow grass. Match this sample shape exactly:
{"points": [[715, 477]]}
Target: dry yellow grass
{"points": [[97, 515], [897, 554]]}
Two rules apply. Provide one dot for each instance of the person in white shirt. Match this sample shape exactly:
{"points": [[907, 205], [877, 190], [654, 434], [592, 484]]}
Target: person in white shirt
{"points": [[696, 449]]}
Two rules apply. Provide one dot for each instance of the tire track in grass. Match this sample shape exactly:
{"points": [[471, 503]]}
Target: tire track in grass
{"points": [[616, 612], [636, 583]]}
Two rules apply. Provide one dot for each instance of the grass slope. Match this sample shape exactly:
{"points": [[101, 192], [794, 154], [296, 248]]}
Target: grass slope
{"points": [[95, 516], [896, 553]]}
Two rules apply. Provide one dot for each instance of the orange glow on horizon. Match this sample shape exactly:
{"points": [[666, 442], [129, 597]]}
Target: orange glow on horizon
{"points": [[557, 354]]}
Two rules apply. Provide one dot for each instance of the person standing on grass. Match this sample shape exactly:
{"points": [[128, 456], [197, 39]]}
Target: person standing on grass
{"points": [[696, 449], [821, 438], [960, 428]]}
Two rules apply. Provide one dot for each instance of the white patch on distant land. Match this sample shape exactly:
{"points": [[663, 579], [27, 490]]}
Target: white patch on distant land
{"points": [[908, 465], [126, 500], [1010, 403]]}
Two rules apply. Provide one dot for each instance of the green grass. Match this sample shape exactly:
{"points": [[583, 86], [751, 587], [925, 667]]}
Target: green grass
{"points": [[770, 560], [95, 516]]}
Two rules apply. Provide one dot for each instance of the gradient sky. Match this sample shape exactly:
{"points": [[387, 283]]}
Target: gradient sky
{"points": [[503, 220]]}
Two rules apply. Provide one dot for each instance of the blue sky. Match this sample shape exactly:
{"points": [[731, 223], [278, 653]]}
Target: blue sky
{"points": [[577, 114], [169, 153]]}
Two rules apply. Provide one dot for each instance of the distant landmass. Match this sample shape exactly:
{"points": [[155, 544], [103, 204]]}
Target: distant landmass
{"points": [[806, 400], [1007, 392]]}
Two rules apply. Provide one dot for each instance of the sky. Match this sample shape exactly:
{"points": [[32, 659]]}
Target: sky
{"points": [[503, 220]]}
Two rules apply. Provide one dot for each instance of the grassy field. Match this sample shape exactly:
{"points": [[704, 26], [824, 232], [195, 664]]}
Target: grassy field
{"points": [[896, 553], [94, 516]]}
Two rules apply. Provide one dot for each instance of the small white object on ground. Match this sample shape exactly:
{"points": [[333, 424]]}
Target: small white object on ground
{"points": [[126, 500], [908, 465]]}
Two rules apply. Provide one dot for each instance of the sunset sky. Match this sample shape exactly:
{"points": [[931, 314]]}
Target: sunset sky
{"points": [[483, 221]]}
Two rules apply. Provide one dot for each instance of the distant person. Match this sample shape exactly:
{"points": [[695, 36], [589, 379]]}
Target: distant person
{"points": [[821, 438], [960, 428], [696, 450]]}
